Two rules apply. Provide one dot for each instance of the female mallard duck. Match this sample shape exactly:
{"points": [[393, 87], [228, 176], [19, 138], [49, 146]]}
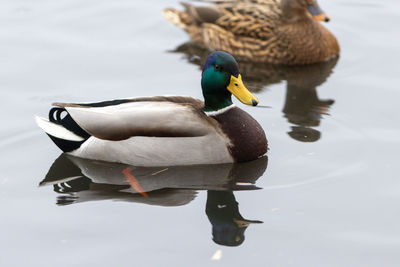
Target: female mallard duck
{"points": [[164, 131], [273, 31]]}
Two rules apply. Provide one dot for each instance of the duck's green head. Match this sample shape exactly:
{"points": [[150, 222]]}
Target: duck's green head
{"points": [[220, 79]]}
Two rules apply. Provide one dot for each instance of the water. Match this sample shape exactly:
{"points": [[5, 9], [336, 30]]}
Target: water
{"points": [[330, 184]]}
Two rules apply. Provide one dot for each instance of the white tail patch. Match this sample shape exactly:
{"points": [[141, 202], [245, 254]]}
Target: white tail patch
{"points": [[57, 130], [173, 17]]}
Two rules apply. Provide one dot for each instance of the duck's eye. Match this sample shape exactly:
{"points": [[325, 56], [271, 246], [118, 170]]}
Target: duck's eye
{"points": [[218, 67]]}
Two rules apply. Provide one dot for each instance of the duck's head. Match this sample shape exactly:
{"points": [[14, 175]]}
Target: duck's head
{"points": [[296, 9], [220, 79]]}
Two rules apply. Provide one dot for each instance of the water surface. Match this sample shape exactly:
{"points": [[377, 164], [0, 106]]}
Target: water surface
{"points": [[330, 187]]}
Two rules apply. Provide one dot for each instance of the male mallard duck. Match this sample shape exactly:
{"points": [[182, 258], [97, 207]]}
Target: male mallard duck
{"points": [[161, 131], [274, 31]]}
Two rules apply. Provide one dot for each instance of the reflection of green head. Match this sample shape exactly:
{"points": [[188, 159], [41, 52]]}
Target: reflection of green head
{"points": [[228, 226]]}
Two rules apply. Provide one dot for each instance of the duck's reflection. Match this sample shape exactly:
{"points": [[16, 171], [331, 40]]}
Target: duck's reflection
{"points": [[228, 226], [302, 107], [80, 180]]}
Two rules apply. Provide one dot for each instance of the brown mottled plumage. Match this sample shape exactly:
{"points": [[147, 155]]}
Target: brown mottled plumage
{"points": [[273, 31]]}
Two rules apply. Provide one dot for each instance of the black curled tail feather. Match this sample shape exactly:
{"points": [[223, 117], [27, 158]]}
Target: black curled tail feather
{"points": [[56, 116]]}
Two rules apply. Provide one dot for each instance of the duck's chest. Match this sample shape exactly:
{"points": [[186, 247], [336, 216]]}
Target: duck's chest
{"points": [[248, 140]]}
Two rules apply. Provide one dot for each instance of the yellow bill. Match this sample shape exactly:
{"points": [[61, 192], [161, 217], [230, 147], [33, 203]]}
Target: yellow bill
{"points": [[237, 88], [244, 222], [322, 17]]}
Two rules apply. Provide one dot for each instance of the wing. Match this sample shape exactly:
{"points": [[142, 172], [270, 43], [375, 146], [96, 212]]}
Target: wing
{"points": [[160, 117], [247, 18]]}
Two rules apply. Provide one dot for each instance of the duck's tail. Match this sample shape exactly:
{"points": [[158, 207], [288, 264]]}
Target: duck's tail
{"points": [[192, 19], [177, 17], [64, 131], [192, 15]]}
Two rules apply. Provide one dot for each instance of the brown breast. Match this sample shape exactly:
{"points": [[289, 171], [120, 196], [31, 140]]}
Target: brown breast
{"points": [[248, 140]]}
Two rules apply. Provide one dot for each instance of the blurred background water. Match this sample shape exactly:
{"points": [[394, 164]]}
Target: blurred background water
{"points": [[328, 194]]}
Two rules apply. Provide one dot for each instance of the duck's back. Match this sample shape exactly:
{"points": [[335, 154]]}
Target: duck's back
{"points": [[155, 131], [255, 19]]}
